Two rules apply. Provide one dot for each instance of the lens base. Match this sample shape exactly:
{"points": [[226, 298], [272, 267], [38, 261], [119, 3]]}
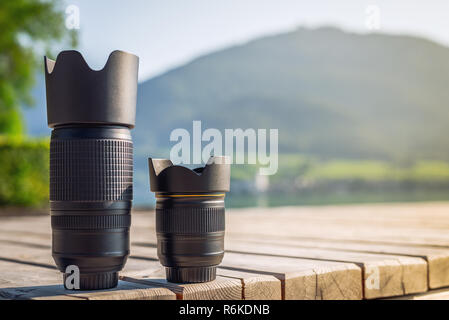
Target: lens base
{"points": [[96, 281], [190, 274]]}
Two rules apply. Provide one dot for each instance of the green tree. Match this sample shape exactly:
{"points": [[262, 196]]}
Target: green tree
{"points": [[28, 29]]}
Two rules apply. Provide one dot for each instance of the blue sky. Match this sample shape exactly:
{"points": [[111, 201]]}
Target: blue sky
{"points": [[168, 33]]}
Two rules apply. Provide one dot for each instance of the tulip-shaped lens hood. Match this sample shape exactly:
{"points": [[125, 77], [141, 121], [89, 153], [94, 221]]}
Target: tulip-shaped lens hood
{"points": [[76, 94], [190, 217], [91, 164]]}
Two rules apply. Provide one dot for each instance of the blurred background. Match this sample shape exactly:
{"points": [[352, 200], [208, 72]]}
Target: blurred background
{"points": [[359, 90]]}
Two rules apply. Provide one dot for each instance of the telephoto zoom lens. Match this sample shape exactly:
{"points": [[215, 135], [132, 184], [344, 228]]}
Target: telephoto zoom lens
{"points": [[91, 165], [190, 217]]}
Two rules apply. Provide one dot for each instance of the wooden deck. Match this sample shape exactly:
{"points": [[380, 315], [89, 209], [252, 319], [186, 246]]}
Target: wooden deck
{"points": [[335, 252]]}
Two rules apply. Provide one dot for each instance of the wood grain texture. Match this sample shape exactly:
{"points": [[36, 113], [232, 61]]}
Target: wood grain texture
{"points": [[129, 291], [220, 289], [124, 291], [327, 252], [437, 258], [29, 273], [223, 288], [306, 280], [417, 224], [255, 286], [441, 294], [300, 278], [384, 275]]}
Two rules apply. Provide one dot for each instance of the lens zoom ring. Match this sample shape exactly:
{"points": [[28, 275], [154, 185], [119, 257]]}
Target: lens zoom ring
{"points": [[91, 170], [190, 220], [91, 222]]}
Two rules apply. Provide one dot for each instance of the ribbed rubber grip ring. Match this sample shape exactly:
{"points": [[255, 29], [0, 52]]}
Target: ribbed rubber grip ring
{"points": [[90, 222], [188, 220], [91, 170]]}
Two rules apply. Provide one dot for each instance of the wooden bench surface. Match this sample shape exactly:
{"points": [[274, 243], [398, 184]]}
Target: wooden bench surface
{"points": [[331, 252]]}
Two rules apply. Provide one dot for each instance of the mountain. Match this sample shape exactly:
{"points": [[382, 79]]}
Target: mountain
{"points": [[330, 93]]}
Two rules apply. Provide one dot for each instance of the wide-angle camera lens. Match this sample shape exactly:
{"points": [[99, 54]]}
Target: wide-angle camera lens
{"points": [[190, 217]]}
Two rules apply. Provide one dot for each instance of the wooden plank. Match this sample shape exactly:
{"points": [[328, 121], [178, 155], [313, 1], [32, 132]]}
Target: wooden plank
{"points": [[29, 273], [24, 281], [332, 222], [300, 278], [37, 250], [305, 280], [437, 258], [124, 291], [341, 223], [384, 275], [147, 269], [422, 215], [128, 291], [441, 294], [287, 276], [298, 281], [351, 223], [221, 288], [346, 222], [408, 218], [39, 226], [400, 230], [22, 244], [405, 230], [255, 286]]}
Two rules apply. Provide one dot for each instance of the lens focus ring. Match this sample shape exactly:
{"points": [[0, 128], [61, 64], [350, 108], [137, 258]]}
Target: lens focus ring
{"points": [[71, 222], [91, 170], [190, 220]]}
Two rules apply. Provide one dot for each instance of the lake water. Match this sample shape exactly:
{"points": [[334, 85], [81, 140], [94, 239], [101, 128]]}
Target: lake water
{"points": [[307, 199]]}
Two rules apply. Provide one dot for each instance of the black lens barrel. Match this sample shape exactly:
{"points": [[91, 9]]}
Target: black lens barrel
{"points": [[91, 164], [190, 218], [90, 196]]}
